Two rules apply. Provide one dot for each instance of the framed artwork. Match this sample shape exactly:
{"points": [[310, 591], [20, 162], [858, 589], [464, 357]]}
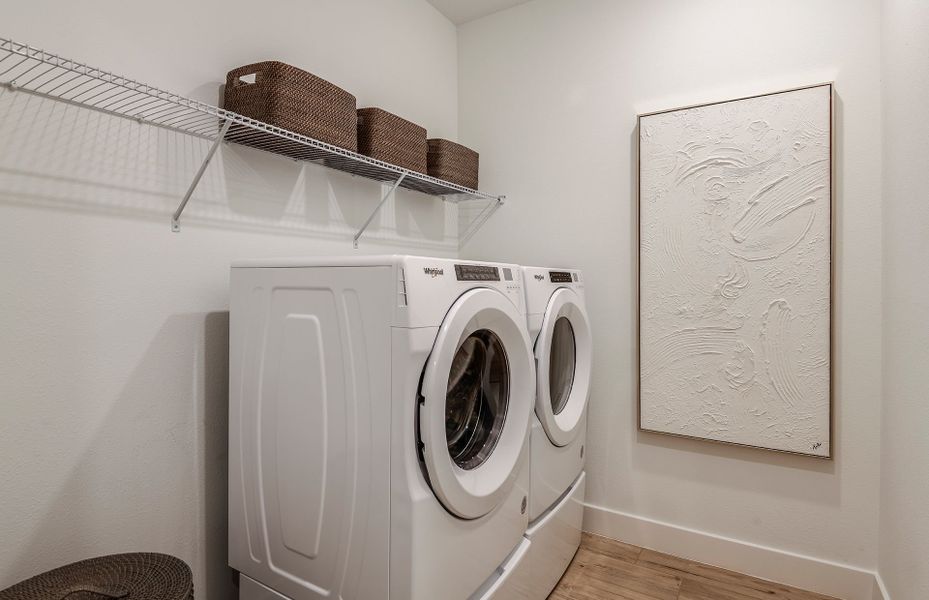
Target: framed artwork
{"points": [[735, 291]]}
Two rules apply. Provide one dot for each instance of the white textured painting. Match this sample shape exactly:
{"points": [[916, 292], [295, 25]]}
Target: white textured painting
{"points": [[735, 214]]}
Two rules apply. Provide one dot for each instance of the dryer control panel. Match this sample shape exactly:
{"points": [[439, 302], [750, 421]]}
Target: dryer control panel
{"points": [[560, 277], [542, 282]]}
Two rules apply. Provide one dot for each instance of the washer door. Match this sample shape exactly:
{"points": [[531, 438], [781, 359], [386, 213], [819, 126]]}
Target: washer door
{"points": [[563, 355], [477, 396]]}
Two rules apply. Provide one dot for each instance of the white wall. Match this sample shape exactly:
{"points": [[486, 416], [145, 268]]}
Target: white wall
{"points": [[114, 330], [904, 532], [549, 93]]}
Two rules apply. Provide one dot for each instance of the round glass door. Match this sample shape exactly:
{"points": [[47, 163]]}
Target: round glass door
{"points": [[477, 394], [476, 399], [562, 364], [563, 354]]}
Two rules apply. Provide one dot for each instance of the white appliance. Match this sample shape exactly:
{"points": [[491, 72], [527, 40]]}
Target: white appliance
{"points": [[560, 332], [378, 434]]}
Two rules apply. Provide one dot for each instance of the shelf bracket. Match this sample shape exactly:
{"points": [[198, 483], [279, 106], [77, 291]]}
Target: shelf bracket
{"points": [[480, 219], [377, 209], [176, 218]]}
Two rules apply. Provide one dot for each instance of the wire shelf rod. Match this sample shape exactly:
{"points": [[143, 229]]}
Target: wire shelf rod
{"points": [[46, 75]]}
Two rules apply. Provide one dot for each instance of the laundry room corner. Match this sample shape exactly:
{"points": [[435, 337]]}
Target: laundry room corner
{"points": [[561, 138]]}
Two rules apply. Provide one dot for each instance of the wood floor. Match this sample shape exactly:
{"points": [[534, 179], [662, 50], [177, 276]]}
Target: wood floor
{"points": [[607, 569]]}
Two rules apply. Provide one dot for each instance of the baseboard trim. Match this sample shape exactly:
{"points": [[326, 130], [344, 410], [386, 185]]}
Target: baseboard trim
{"points": [[806, 572]]}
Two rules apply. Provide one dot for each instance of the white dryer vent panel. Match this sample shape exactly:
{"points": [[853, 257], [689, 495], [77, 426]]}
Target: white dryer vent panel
{"points": [[306, 487]]}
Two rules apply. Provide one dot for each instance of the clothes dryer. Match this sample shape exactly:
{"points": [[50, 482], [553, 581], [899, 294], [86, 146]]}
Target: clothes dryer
{"points": [[560, 332]]}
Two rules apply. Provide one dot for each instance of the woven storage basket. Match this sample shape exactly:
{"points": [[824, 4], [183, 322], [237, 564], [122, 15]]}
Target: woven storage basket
{"points": [[292, 99], [389, 138], [137, 576], [453, 162]]}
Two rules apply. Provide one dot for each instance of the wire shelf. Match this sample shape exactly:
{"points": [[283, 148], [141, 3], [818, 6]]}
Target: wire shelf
{"points": [[27, 69]]}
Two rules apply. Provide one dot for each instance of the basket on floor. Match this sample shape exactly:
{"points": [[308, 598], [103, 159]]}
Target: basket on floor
{"points": [[453, 162], [287, 97], [387, 137], [136, 576]]}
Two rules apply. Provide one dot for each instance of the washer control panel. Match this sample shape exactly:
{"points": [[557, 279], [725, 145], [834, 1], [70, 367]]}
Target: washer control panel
{"points": [[478, 273]]}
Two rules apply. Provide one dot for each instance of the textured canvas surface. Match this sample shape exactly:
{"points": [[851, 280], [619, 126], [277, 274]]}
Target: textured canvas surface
{"points": [[735, 213]]}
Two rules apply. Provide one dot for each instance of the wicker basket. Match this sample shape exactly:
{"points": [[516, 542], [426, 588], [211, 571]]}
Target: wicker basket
{"points": [[453, 162], [292, 99], [387, 137], [137, 576]]}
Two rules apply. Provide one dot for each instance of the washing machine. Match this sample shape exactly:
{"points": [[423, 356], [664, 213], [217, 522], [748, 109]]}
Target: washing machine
{"points": [[560, 332], [378, 429]]}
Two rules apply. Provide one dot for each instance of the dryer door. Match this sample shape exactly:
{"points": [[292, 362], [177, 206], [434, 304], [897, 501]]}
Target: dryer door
{"points": [[563, 355], [477, 393]]}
